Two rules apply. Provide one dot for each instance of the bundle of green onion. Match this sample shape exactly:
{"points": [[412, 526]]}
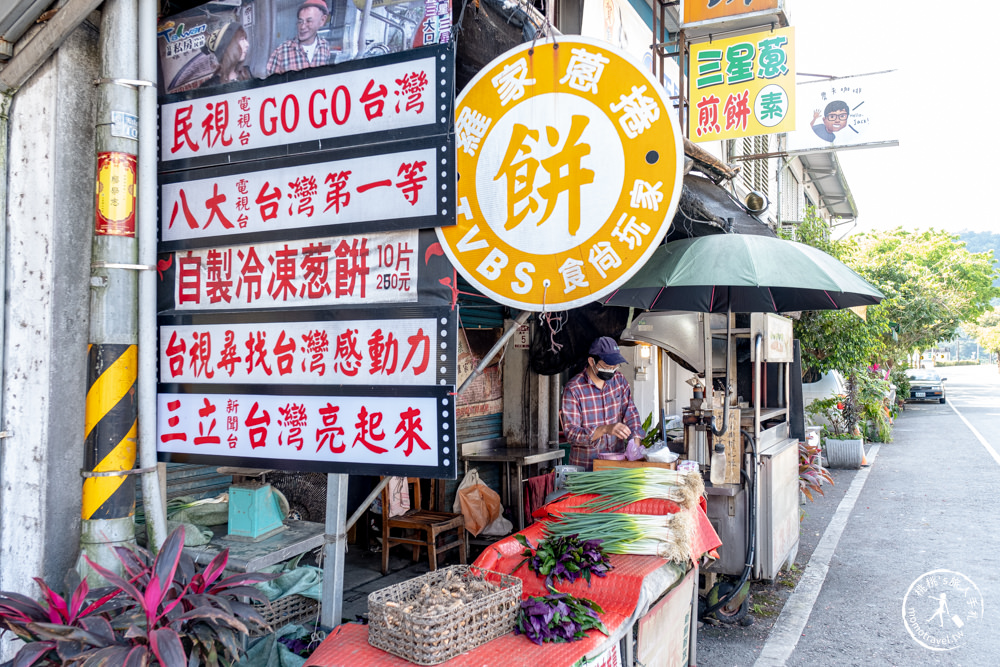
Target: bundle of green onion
{"points": [[620, 486], [175, 505], [667, 536]]}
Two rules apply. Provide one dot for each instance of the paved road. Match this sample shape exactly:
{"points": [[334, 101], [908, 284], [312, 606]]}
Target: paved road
{"points": [[930, 501]]}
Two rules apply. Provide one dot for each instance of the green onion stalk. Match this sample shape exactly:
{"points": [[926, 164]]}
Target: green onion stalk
{"points": [[175, 505], [618, 487], [667, 536]]}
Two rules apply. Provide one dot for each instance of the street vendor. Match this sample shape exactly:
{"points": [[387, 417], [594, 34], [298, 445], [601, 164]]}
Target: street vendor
{"points": [[598, 414]]}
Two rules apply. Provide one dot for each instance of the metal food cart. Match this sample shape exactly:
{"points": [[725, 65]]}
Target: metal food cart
{"points": [[744, 408]]}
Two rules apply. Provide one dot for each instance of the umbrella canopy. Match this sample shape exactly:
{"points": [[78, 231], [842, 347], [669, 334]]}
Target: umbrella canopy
{"points": [[743, 274]]}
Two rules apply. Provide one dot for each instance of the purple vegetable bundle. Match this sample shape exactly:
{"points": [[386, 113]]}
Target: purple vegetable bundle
{"points": [[558, 617], [565, 558]]}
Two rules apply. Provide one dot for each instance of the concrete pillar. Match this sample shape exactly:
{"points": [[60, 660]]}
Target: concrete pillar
{"points": [[528, 410], [50, 172], [642, 375], [555, 403], [520, 395]]}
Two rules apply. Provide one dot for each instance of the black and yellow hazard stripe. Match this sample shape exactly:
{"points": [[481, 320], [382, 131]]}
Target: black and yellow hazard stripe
{"points": [[112, 426]]}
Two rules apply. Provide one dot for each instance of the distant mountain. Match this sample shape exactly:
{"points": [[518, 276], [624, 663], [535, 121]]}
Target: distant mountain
{"points": [[981, 242]]}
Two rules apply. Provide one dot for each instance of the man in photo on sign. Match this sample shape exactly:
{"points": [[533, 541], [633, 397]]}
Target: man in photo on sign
{"points": [[308, 49], [598, 414]]}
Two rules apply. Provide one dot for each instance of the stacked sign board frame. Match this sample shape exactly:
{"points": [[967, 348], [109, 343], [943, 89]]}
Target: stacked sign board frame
{"points": [[306, 317]]}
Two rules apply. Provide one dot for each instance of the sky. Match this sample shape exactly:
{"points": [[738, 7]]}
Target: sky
{"points": [[940, 175]]}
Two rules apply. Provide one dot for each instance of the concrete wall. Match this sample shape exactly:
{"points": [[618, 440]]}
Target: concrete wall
{"points": [[50, 216]]}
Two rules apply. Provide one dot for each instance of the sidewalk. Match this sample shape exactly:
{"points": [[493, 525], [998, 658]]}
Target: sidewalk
{"points": [[720, 644]]}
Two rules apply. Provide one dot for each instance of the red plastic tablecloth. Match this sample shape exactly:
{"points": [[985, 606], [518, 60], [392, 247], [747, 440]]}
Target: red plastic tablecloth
{"points": [[505, 555], [617, 594]]}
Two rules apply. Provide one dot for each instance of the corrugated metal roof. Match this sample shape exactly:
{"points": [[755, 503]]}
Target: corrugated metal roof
{"points": [[823, 170], [15, 18]]}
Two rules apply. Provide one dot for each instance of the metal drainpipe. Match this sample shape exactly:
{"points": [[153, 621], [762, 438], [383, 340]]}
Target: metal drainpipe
{"points": [[156, 520], [6, 98], [112, 360]]}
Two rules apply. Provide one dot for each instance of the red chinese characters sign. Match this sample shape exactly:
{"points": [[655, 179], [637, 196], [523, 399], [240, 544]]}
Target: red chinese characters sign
{"points": [[316, 113], [402, 189], [375, 351], [346, 270], [358, 434]]}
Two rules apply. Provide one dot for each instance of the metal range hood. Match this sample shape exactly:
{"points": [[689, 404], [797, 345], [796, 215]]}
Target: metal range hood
{"points": [[680, 334]]}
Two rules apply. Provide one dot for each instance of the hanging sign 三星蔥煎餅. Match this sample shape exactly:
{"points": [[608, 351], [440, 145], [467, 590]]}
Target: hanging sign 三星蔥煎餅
{"points": [[742, 86]]}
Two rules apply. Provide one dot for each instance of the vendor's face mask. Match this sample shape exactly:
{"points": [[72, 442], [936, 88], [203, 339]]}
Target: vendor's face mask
{"points": [[605, 374]]}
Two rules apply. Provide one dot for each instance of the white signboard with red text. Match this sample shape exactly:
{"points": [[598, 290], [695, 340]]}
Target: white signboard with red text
{"points": [[411, 185], [359, 392], [305, 308], [404, 95], [340, 271], [411, 433], [262, 348]]}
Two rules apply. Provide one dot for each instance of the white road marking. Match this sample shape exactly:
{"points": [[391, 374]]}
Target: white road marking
{"points": [[979, 436], [794, 615]]}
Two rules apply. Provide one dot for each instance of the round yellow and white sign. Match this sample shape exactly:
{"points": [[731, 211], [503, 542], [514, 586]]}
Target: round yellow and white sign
{"points": [[569, 167]]}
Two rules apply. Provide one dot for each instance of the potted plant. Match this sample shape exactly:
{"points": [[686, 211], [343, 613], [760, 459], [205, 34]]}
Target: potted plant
{"points": [[877, 403], [845, 448], [161, 611]]}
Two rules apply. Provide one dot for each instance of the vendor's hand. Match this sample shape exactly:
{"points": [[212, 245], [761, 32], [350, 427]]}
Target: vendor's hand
{"points": [[618, 430]]}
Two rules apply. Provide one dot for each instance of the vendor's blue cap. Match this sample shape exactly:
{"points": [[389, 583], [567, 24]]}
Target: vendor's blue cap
{"points": [[606, 349]]}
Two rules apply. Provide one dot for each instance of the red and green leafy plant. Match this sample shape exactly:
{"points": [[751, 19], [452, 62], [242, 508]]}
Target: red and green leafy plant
{"points": [[161, 611], [811, 472]]}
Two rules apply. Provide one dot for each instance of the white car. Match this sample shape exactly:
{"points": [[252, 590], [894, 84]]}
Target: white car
{"points": [[926, 385], [828, 385]]}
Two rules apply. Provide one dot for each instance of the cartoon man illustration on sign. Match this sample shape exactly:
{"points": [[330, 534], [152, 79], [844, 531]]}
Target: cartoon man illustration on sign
{"points": [[835, 117]]}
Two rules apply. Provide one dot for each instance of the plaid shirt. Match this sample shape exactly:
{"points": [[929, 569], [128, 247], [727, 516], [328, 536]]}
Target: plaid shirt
{"points": [[291, 57], [585, 407]]}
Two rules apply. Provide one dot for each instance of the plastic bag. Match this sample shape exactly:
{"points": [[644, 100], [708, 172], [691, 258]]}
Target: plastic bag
{"points": [[471, 479], [660, 453], [399, 496], [480, 507], [499, 525], [635, 451]]}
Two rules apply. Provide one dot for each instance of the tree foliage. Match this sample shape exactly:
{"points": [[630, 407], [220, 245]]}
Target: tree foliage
{"points": [[835, 339], [986, 331], [931, 282]]}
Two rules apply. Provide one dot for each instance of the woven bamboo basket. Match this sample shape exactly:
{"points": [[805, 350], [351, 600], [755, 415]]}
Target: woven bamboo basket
{"points": [[296, 609], [429, 639]]}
